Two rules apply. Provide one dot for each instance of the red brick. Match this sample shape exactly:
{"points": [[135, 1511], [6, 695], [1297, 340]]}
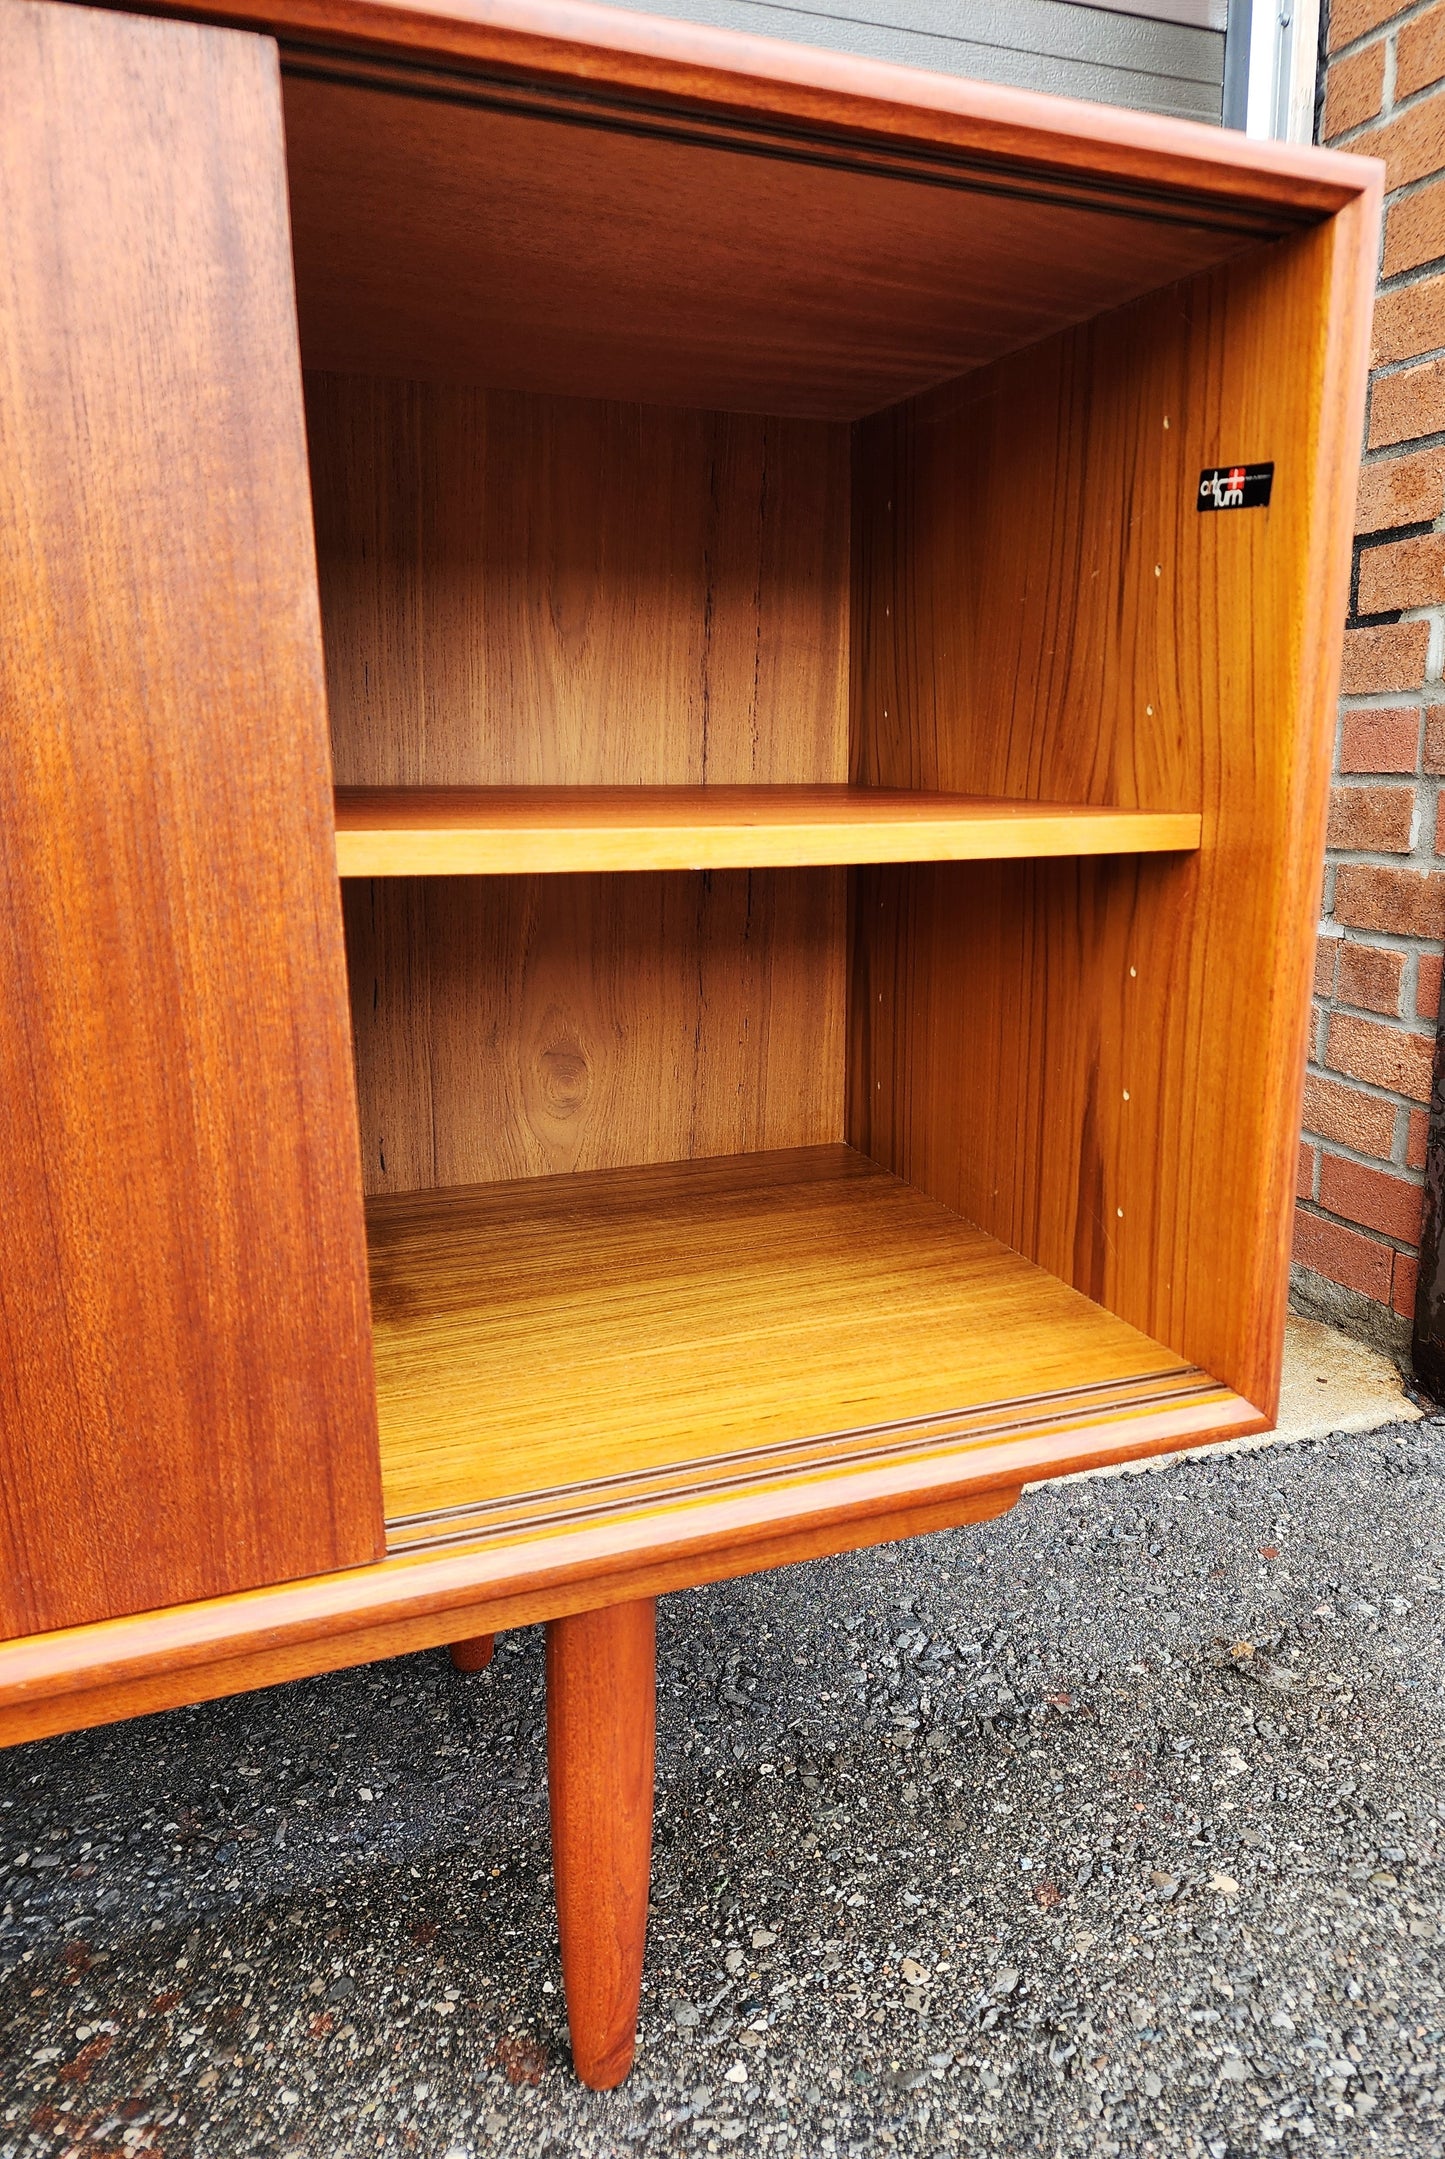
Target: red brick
{"points": [[1371, 977], [1372, 1198], [1373, 820], [1433, 760], [1403, 573], [1354, 90], [1408, 490], [1304, 1186], [1409, 323], [1385, 1056], [1427, 986], [1415, 1139], [1388, 657], [1405, 406], [1415, 230], [1408, 903], [1402, 1284], [1325, 950], [1385, 740], [1343, 1255], [1350, 1117], [1419, 53], [1352, 19], [1412, 145]]}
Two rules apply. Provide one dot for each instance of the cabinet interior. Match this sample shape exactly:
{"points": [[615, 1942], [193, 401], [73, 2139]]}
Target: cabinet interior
{"points": [[692, 459]]}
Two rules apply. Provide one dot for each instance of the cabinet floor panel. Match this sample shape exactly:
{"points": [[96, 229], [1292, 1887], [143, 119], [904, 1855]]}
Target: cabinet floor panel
{"points": [[518, 831], [603, 1387], [554, 1348]]}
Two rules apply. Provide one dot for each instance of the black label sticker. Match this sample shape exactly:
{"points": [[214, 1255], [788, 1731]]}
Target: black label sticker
{"points": [[1236, 487]]}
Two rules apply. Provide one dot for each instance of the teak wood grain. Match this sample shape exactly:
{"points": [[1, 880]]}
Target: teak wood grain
{"points": [[551, 1336], [764, 225], [522, 1026], [473, 1653], [843, 101], [568, 199], [561, 592], [1101, 1062], [440, 832], [457, 237], [601, 1741], [423, 1599], [186, 1401], [525, 590]]}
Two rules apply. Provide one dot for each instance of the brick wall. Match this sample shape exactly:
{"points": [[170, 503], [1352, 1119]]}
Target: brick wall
{"points": [[1377, 976]]}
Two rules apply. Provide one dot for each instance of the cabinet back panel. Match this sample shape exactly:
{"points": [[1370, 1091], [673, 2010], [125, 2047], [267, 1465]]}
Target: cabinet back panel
{"points": [[1042, 611], [524, 590], [520, 1026]]}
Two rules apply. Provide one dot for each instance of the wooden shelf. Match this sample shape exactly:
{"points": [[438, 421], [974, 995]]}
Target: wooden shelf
{"points": [[512, 831], [565, 1349]]}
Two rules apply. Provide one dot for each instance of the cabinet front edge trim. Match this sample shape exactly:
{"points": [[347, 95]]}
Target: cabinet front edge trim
{"points": [[297, 1628]]}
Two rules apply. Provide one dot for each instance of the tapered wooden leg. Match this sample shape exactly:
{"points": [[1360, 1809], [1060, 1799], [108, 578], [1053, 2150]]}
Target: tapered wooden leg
{"points": [[475, 1654], [601, 1728]]}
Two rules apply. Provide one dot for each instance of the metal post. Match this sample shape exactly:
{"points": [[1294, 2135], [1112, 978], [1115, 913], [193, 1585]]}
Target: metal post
{"points": [[1427, 1348]]}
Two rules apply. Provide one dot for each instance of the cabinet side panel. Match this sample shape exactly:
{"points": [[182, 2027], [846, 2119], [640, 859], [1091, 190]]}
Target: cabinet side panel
{"points": [[1101, 1062], [551, 591], [186, 1399], [526, 1026]]}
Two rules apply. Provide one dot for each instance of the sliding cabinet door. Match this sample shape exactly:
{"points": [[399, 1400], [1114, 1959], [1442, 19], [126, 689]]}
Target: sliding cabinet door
{"points": [[186, 1396]]}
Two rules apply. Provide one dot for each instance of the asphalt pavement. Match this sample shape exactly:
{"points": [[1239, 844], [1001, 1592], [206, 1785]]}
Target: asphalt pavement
{"points": [[1112, 1827]]}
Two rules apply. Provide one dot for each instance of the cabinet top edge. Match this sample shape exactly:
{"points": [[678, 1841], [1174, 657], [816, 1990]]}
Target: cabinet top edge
{"points": [[617, 55]]}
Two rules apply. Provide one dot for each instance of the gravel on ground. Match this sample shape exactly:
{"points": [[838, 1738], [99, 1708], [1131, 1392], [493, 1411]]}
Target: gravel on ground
{"points": [[1112, 1827]]}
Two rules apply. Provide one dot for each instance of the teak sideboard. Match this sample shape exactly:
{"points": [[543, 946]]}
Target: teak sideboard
{"points": [[665, 709]]}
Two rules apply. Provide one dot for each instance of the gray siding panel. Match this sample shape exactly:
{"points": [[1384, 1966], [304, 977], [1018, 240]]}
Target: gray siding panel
{"points": [[1072, 50], [1201, 14]]}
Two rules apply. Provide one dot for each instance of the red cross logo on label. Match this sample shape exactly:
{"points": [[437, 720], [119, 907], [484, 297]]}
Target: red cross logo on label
{"points": [[1236, 487]]}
